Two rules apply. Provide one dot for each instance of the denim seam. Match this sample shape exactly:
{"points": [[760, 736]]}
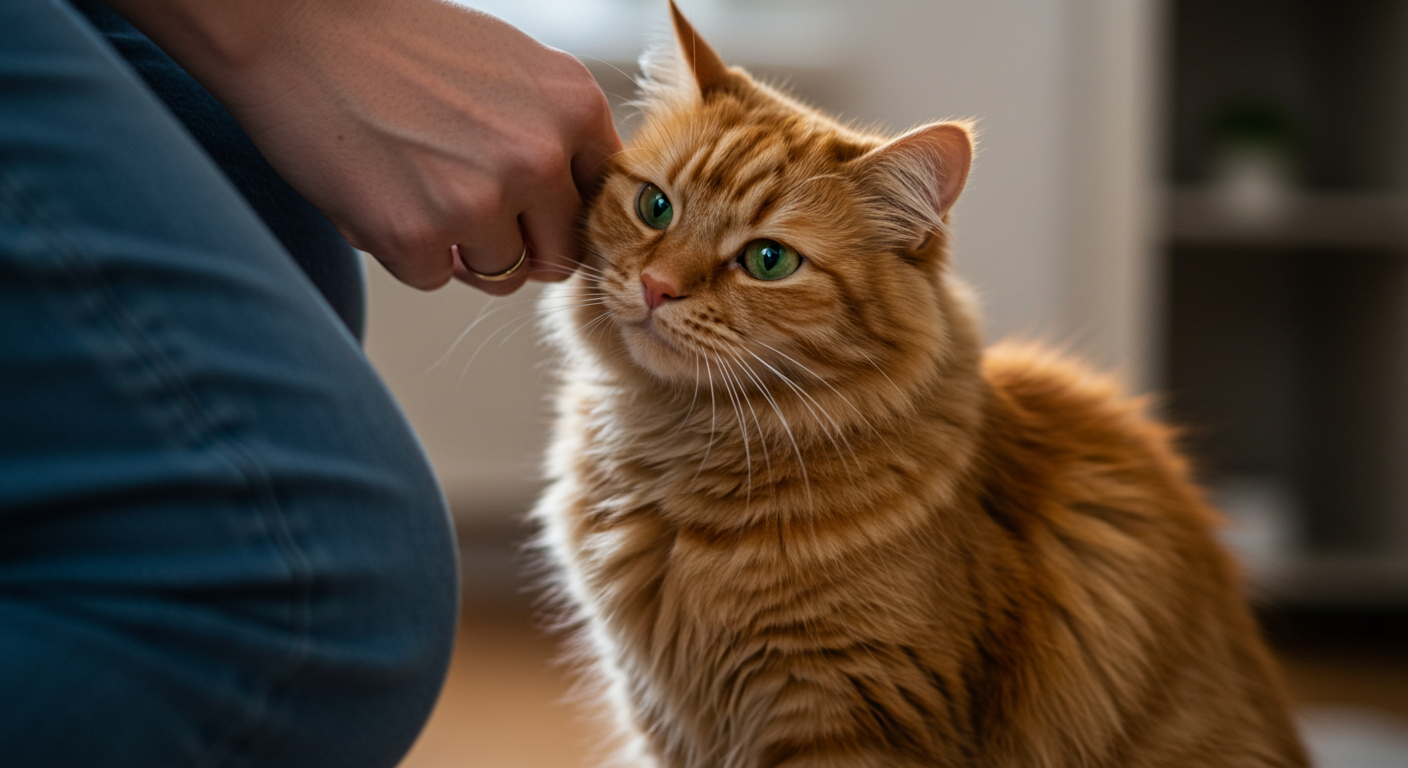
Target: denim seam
{"points": [[88, 279]]}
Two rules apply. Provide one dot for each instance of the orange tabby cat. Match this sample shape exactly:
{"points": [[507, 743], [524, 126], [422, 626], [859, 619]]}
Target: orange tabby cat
{"points": [[806, 521]]}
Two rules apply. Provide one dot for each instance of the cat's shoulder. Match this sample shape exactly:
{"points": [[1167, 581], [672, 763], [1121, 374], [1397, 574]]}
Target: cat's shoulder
{"points": [[1045, 388], [1064, 448], [1066, 426]]}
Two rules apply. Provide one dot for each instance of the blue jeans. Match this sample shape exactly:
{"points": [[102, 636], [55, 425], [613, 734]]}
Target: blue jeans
{"points": [[220, 542]]}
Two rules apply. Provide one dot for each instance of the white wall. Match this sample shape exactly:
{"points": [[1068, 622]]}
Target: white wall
{"points": [[1003, 63], [479, 406], [1054, 229]]}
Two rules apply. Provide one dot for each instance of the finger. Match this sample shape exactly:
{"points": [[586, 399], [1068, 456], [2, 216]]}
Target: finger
{"points": [[592, 160], [414, 258], [494, 247], [350, 236], [426, 269], [551, 225]]}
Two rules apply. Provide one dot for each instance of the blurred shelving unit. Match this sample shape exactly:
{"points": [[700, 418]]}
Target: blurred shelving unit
{"points": [[1286, 305], [1345, 221]]}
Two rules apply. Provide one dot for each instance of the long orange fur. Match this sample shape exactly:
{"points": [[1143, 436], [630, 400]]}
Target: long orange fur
{"points": [[809, 522]]}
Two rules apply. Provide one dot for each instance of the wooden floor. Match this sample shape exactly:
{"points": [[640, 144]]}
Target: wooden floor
{"points": [[505, 702]]}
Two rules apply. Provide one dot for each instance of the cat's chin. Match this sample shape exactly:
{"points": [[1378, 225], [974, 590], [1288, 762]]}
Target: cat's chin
{"points": [[657, 355]]}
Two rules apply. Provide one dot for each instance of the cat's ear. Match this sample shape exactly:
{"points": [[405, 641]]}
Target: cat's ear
{"points": [[709, 70], [686, 69], [922, 173]]}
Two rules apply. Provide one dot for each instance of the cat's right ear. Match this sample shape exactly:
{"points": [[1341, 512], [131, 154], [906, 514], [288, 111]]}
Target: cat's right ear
{"points": [[921, 172]]}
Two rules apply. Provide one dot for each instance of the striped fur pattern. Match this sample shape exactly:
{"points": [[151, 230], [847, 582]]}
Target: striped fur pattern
{"points": [[809, 522]]}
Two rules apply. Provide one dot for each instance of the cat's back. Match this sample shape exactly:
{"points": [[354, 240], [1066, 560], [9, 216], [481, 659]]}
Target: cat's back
{"points": [[1127, 590], [1060, 437]]}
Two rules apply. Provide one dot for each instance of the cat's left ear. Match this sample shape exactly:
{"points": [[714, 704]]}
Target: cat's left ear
{"points": [[708, 67], [687, 69], [923, 173]]}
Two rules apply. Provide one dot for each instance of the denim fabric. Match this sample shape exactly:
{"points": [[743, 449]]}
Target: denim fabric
{"points": [[322, 254], [220, 542]]}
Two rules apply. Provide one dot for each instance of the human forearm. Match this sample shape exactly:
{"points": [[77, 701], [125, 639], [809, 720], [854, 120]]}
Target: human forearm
{"points": [[412, 124], [214, 36]]}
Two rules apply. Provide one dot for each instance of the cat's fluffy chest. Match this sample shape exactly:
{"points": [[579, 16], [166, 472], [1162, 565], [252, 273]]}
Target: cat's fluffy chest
{"points": [[726, 639]]}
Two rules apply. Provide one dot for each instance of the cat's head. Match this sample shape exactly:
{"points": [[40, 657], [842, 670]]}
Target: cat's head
{"points": [[746, 235]]}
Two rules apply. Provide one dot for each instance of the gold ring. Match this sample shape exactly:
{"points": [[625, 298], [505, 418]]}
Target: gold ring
{"points": [[497, 276]]}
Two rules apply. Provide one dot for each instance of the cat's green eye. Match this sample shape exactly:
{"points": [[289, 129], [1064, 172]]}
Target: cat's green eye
{"points": [[769, 260], [654, 208]]}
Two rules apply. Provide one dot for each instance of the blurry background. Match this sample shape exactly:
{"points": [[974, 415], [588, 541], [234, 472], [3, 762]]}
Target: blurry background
{"points": [[1209, 197]]}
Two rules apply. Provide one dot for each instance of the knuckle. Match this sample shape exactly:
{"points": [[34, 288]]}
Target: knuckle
{"points": [[572, 69], [545, 162], [415, 272], [414, 249], [581, 96], [590, 108], [481, 202], [427, 281], [597, 108], [416, 237]]}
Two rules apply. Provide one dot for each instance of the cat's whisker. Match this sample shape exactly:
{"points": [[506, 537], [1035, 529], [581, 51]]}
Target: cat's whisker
{"points": [[581, 266], [836, 434], [592, 284], [589, 302], [570, 302], [742, 428], [535, 310], [599, 257], [801, 462], [812, 406], [836, 430], [560, 352], [465, 371], [484, 313], [493, 307], [487, 313], [524, 320], [600, 322], [762, 434], [713, 417], [593, 274], [568, 272], [865, 420], [692, 400]]}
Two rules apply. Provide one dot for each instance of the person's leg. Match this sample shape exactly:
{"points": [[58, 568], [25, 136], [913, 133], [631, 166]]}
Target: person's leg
{"points": [[312, 241], [220, 543]]}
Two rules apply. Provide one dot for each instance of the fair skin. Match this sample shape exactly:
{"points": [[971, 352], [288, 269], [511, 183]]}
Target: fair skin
{"points": [[411, 124]]}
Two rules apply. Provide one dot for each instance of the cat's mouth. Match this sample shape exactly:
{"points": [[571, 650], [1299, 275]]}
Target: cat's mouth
{"points": [[655, 349], [650, 328]]}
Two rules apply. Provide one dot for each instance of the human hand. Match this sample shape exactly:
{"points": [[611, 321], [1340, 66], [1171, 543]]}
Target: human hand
{"points": [[413, 125]]}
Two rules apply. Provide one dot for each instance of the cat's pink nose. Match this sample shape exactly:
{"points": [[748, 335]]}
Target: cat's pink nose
{"points": [[657, 291]]}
